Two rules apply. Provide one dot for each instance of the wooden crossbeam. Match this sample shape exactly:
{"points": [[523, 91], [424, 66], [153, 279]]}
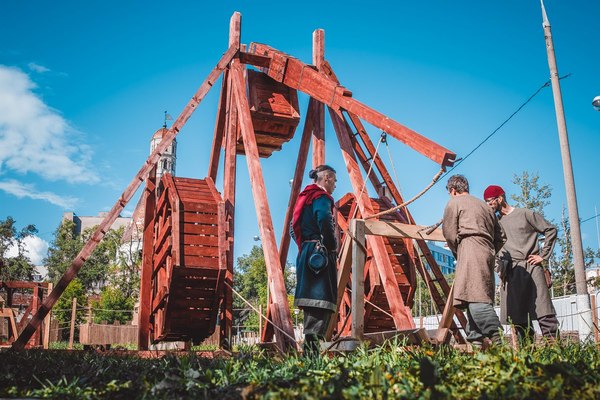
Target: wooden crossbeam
{"points": [[295, 74]]}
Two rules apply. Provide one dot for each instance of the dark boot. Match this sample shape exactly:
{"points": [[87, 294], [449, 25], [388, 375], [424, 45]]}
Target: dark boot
{"points": [[311, 346]]}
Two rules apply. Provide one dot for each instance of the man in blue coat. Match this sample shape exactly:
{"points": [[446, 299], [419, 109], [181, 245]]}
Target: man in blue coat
{"points": [[313, 229]]}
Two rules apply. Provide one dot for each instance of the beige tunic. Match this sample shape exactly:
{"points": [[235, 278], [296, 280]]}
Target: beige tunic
{"points": [[474, 236], [524, 293]]}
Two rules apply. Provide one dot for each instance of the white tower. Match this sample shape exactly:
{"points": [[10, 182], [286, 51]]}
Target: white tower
{"points": [[167, 160]]}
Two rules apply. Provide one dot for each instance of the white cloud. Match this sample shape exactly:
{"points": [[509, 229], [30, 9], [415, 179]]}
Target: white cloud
{"points": [[38, 68], [36, 247], [21, 190], [36, 139]]}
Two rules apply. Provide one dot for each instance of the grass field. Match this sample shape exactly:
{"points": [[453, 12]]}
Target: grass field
{"points": [[560, 371]]}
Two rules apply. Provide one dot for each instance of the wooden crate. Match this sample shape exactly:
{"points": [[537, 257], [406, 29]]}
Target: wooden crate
{"points": [[189, 262], [274, 111]]}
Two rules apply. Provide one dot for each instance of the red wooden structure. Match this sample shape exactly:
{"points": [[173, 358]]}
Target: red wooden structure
{"points": [[257, 114], [23, 295], [187, 263]]}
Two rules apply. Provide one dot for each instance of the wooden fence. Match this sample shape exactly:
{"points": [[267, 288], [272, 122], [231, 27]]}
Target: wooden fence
{"points": [[101, 334]]}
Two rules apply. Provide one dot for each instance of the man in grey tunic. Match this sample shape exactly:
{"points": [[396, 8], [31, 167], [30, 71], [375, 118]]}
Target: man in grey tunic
{"points": [[473, 234], [524, 290]]}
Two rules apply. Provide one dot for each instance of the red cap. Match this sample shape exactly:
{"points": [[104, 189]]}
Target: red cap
{"points": [[492, 191]]}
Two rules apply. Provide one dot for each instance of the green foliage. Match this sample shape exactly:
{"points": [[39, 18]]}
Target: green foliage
{"points": [[19, 267], [100, 268], [62, 309], [251, 282], [560, 371], [114, 305], [532, 195]]}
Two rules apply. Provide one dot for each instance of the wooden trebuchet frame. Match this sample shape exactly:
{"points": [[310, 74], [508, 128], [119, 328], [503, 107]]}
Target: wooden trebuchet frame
{"points": [[238, 130]]}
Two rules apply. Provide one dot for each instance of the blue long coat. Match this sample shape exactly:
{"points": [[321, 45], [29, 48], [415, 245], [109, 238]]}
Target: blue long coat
{"points": [[317, 290]]}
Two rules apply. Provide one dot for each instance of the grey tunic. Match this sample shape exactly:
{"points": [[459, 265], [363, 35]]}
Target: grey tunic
{"points": [[524, 293], [473, 234]]}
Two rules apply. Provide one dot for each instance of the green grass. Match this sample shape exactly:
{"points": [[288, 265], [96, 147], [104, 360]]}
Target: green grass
{"points": [[561, 371]]}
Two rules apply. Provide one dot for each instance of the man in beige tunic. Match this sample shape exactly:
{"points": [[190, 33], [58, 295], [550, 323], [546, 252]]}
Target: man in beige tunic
{"points": [[524, 294], [473, 234]]}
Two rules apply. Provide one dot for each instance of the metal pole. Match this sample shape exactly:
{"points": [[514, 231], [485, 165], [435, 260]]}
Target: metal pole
{"points": [[583, 298]]}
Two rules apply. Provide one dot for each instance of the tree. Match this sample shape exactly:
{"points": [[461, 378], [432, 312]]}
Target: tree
{"points": [[65, 247], [20, 266], [250, 280], [533, 195], [62, 309], [114, 305]]}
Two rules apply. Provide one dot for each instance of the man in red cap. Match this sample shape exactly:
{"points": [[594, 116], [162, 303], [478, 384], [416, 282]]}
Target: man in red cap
{"points": [[473, 234], [524, 290]]}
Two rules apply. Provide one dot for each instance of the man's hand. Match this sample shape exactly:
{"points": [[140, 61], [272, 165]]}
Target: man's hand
{"points": [[534, 259]]}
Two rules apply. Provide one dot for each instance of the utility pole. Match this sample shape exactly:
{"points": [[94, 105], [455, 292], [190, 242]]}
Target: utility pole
{"points": [[583, 298]]}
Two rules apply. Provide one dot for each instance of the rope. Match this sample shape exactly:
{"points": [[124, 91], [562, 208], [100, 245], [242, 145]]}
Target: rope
{"points": [[421, 193], [259, 313]]}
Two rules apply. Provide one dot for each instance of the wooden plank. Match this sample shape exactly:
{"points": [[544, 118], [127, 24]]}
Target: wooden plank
{"points": [[343, 277], [200, 207], [282, 318], [147, 266], [254, 59], [213, 164], [198, 229], [447, 317], [201, 261], [229, 182], [318, 139], [199, 240], [204, 251], [357, 230], [400, 230], [201, 218]]}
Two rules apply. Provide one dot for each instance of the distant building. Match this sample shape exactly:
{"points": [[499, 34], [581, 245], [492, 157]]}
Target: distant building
{"points": [[84, 222], [592, 273], [167, 161], [443, 257]]}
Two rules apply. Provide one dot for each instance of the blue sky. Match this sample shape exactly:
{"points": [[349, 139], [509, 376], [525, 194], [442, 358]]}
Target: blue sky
{"points": [[83, 86]]}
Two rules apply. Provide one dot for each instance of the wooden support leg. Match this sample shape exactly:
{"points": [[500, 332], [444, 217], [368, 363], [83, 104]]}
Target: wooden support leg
{"points": [[399, 311], [284, 243], [229, 177], [357, 230], [281, 313], [147, 263]]}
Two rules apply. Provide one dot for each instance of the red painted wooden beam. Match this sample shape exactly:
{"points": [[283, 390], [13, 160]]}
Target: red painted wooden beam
{"points": [[281, 313], [294, 73]]}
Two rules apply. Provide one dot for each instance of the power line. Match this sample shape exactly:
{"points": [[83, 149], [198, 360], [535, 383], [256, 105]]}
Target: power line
{"points": [[461, 160]]}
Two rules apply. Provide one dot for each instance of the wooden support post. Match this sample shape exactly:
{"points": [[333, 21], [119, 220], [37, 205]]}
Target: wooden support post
{"points": [[229, 178], [318, 140], [73, 320], [46, 338], [595, 327], [344, 266], [281, 315], [126, 196], [357, 230], [215, 152], [147, 262]]}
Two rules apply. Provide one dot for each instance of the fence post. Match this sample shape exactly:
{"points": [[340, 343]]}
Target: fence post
{"points": [[73, 318], [46, 338], [595, 318]]}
